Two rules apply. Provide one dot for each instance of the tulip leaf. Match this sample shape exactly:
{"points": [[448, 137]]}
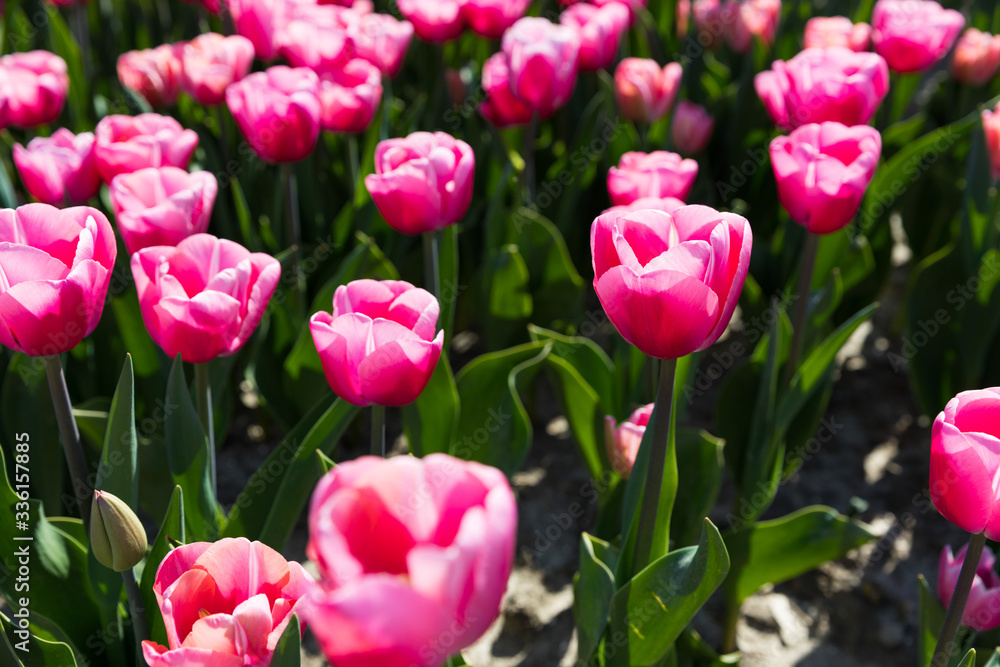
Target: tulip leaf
{"points": [[583, 411], [994, 660], [8, 197], [288, 652], [325, 463], [33, 650], [431, 420], [118, 470], [63, 45], [593, 588], [931, 620], [509, 298], [171, 530], [587, 357], [969, 660], [135, 337], [699, 477], [449, 289]]}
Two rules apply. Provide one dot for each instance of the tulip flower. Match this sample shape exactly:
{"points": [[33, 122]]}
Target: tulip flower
{"points": [[203, 298], [211, 6], [316, 39], [382, 40], [665, 204], [657, 174], [644, 90], [430, 560], [349, 96], [117, 537], [56, 267], [59, 170], [977, 57], [682, 17], [752, 19], [261, 22], [422, 183], [600, 30], [278, 112], [542, 63], [155, 74], [491, 18], [211, 62], [823, 170], [33, 88], [623, 440], [854, 84], [912, 35], [501, 107], [691, 128], [669, 282], [982, 611], [379, 346], [991, 127], [824, 31], [224, 604], [712, 19], [434, 20], [124, 144]]}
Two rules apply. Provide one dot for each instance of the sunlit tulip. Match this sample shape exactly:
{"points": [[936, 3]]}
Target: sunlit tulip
{"points": [[752, 19], [33, 88], [622, 440], [824, 31], [542, 63], [211, 63], [314, 36], [691, 128], [644, 90], [665, 204], [155, 74], [124, 144], [657, 174], [977, 57], [982, 610], [260, 21], [491, 18], [912, 35], [501, 107], [60, 169], [434, 20], [349, 96], [600, 30], [991, 127], [382, 40]]}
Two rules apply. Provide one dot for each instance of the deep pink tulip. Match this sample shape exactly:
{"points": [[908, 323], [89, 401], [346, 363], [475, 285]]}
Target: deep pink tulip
{"points": [[691, 127], [56, 266], [977, 57], [349, 96], [162, 206], [382, 40], [712, 19], [434, 20], [423, 182], [912, 35], [752, 19], [155, 74], [501, 107], [622, 440], [823, 84], [600, 30], [665, 204], [430, 558], [59, 170], [542, 62], [824, 31], [278, 112], [657, 174], [315, 36], [203, 298], [669, 282], [982, 610], [965, 461], [823, 170], [491, 18], [224, 604], [260, 21], [379, 345], [644, 90], [33, 88], [211, 63], [129, 143], [991, 127]]}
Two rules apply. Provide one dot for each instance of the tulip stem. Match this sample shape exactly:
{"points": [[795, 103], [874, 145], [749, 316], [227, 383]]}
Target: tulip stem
{"points": [[355, 165], [81, 27], [139, 626], [383, 132], [220, 121], [802, 305], [946, 640], [431, 274], [528, 154], [295, 233], [204, 390], [378, 430], [70, 437], [660, 488]]}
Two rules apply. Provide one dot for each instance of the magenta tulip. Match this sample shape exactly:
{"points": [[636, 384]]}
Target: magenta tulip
{"points": [[56, 266], [691, 128], [991, 128], [260, 21], [379, 346], [501, 107], [382, 40], [665, 204], [542, 63], [669, 282], [622, 440], [752, 19], [278, 112], [600, 30], [349, 96], [644, 90], [314, 36], [59, 170], [154, 74], [982, 610], [211, 62], [912, 35], [414, 557], [491, 18], [203, 298], [124, 144], [434, 20], [712, 19], [977, 57], [824, 31], [33, 88], [657, 174]]}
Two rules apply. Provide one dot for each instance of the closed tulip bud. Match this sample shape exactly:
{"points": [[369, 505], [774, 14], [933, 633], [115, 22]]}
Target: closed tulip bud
{"points": [[912, 35], [117, 537], [542, 63], [982, 610], [155, 74], [622, 440], [60, 169], [501, 106], [434, 20], [382, 40], [824, 31], [349, 96], [644, 90], [600, 30], [124, 144], [991, 127], [33, 88], [658, 174], [977, 56], [491, 18], [211, 62], [691, 128]]}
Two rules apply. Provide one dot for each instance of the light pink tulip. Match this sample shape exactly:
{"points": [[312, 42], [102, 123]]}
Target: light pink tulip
{"points": [[977, 57], [211, 62], [430, 559], [162, 206], [278, 112], [381, 40], [691, 128], [501, 107], [752, 19], [55, 266], [315, 36], [600, 30], [434, 20], [852, 87], [982, 610], [644, 90], [224, 604], [155, 74], [824, 31], [33, 88], [379, 346], [912, 35], [622, 440], [129, 143], [991, 127], [965, 461], [203, 298], [350, 96], [260, 21], [823, 170], [665, 204], [491, 18], [657, 174], [59, 170], [542, 63], [423, 182]]}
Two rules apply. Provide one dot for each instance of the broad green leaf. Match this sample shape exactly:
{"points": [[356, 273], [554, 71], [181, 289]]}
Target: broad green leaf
{"points": [[325, 463], [583, 411], [135, 337], [431, 420], [509, 298], [288, 652], [699, 478], [118, 469], [31, 650], [931, 620], [171, 530], [64, 45], [593, 588], [448, 280], [587, 357], [969, 660], [994, 660]]}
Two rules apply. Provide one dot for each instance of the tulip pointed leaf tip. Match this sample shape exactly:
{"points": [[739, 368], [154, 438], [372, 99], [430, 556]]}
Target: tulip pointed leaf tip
{"points": [[117, 537]]}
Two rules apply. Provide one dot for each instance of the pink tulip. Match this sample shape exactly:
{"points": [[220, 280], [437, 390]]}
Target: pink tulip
{"points": [[491, 18], [753, 19], [623, 440], [162, 206], [211, 62], [33, 88], [382, 40], [501, 107], [542, 63], [982, 610], [423, 182], [260, 21], [59, 170], [965, 461], [55, 266], [669, 282], [434, 20], [824, 31], [379, 346], [224, 604], [278, 112], [977, 57], [665, 204], [912, 35], [203, 298], [129, 143], [600, 30], [350, 96], [853, 85], [657, 174], [645, 91], [691, 128], [991, 127], [211, 6], [314, 36], [423, 573], [823, 170], [155, 74], [682, 18], [712, 21]]}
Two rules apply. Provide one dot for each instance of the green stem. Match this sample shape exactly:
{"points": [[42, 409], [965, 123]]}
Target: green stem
{"points": [[295, 234], [946, 640], [383, 132], [70, 436], [220, 121], [139, 626], [802, 305], [378, 430], [205, 413], [81, 27], [355, 165], [432, 241], [528, 154]]}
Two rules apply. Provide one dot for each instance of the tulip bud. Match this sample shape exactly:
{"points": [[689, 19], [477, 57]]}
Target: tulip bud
{"points": [[623, 440], [692, 128], [117, 537], [982, 610], [991, 127]]}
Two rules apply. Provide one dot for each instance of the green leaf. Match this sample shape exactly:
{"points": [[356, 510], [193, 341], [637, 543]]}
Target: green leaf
{"points": [[172, 529], [994, 660], [288, 652], [448, 280], [969, 660], [699, 474], [33, 650], [593, 588], [431, 420], [135, 337], [931, 620], [509, 298], [118, 471], [64, 45], [326, 464], [587, 357]]}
